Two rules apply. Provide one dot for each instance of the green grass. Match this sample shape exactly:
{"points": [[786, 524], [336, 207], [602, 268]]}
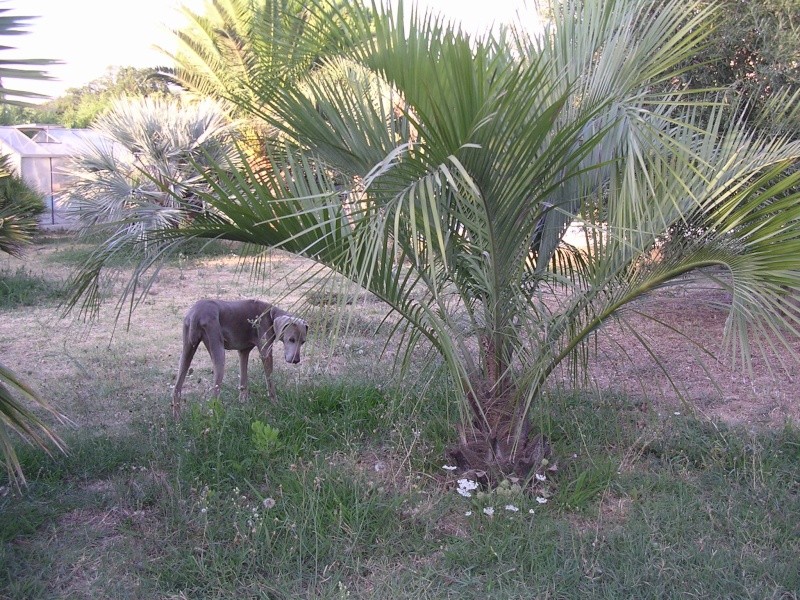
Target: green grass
{"points": [[74, 252], [23, 287], [339, 502]]}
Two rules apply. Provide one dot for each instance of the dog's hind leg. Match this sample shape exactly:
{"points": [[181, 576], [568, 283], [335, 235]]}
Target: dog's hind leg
{"points": [[212, 338], [187, 354]]}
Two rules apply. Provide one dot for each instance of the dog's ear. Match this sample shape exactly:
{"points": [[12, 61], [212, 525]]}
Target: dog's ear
{"points": [[279, 324]]}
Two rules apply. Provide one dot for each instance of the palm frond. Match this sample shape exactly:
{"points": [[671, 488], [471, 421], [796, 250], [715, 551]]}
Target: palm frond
{"points": [[16, 417]]}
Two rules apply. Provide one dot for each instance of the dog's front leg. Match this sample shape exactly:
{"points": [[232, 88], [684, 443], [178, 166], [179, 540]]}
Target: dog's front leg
{"points": [[266, 360], [244, 393]]}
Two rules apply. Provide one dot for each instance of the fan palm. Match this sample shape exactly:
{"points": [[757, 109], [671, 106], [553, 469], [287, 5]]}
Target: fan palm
{"points": [[144, 169], [466, 159], [148, 159], [20, 207]]}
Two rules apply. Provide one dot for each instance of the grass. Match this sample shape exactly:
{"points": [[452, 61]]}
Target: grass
{"points": [[326, 511], [338, 491], [23, 287], [74, 253]]}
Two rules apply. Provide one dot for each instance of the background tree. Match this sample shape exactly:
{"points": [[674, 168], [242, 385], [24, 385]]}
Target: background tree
{"points": [[458, 227], [753, 53], [80, 107], [238, 52]]}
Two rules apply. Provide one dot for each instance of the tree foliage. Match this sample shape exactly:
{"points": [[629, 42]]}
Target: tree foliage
{"points": [[754, 53], [80, 107], [237, 48]]}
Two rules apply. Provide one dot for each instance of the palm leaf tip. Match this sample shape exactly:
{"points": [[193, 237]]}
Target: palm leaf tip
{"points": [[18, 418]]}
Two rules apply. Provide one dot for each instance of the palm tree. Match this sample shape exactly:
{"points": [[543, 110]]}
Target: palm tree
{"points": [[240, 52], [216, 55], [467, 162], [20, 207], [237, 51], [16, 209], [147, 163]]}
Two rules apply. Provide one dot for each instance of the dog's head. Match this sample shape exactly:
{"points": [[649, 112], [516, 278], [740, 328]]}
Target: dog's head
{"points": [[292, 332]]}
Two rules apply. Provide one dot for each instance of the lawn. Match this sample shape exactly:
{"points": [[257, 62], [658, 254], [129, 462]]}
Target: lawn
{"points": [[654, 490]]}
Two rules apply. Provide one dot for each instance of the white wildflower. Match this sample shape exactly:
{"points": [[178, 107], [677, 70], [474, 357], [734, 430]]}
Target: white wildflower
{"points": [[540, 477], [468, 513], [465, 487], [488, 511], [541, 500], [511, 508], [268, 503], [449, 467]]}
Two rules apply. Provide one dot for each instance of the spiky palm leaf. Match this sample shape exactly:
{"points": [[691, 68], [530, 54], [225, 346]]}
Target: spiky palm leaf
{"points": [[17, 417], [19, 68], [17, 222]]}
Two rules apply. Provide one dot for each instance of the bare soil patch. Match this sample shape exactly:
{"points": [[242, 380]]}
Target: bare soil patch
{"points": [[701, 378]]}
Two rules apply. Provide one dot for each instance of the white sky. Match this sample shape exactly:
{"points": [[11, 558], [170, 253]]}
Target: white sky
{"points": [[89, 36]]}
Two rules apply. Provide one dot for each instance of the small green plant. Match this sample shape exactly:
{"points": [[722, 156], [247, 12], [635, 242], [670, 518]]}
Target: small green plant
{"points": [[265, 438], [581, 490], [20, 207]]}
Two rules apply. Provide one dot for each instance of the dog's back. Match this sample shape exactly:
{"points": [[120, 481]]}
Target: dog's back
{"points": [[239, 321]]}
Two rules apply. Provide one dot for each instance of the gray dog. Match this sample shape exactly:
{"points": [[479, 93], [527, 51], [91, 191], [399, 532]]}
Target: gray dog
{"points": [[237, 325]]}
